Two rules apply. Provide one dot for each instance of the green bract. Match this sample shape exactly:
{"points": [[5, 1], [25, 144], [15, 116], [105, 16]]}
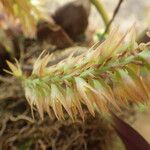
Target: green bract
{"points": [[107, 75]]}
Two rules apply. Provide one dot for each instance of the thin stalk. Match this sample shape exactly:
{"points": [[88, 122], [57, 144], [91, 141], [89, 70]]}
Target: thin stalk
{"points": [[101, 10]]}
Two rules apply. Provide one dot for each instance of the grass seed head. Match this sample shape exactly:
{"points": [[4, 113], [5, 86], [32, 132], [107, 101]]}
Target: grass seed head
{"points": [[107, 75]]}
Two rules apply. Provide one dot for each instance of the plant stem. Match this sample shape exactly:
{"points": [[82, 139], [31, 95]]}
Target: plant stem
{"points": [[101, 10], [114, 15]]}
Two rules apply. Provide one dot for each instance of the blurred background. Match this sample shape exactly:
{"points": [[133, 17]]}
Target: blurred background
{"points": [[62, 27], [131, 11]]}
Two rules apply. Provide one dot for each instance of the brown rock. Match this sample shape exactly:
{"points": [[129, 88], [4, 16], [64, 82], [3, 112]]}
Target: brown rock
{"points": [[73, 17], [54, 35]]}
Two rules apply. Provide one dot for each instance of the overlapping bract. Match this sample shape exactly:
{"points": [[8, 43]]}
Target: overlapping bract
{"points": [[107, 75], [27, 13]]}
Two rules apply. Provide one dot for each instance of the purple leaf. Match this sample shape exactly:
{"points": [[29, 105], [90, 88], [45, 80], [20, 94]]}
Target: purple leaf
{"points": [[131, 138]]}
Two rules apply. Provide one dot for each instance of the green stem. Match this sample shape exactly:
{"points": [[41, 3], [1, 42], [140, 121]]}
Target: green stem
{"points": [[101, 10]]}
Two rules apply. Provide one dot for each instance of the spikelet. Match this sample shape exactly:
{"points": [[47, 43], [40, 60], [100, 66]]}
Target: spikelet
{"points": [[27, 12], [106, 76]]}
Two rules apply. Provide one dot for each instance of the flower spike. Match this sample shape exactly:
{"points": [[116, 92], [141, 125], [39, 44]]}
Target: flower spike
{"points": [[107, 75]]}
